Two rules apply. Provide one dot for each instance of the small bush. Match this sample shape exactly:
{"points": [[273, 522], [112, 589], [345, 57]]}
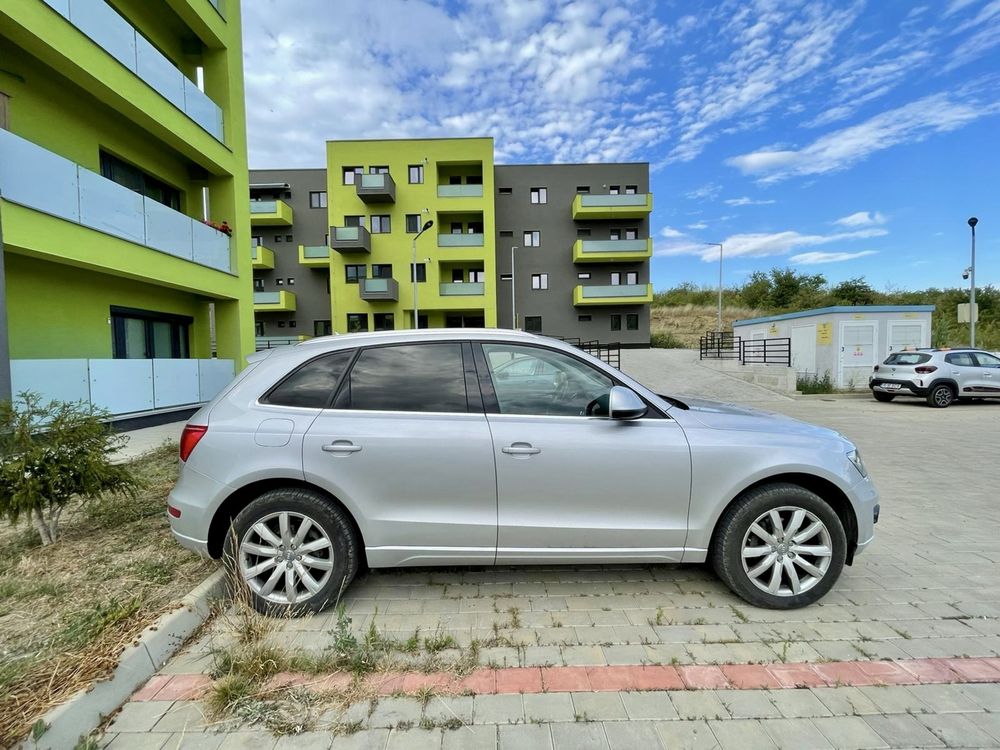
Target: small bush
{"points": [[814, 383], [665, 341]]}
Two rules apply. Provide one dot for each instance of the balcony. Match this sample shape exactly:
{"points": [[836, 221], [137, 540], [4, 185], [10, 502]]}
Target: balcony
{"points": [[379, 289], [635, 206], [274, 301], [620, 294], [612, 251], [460, 240], [98, 21], [43, 181], [314, 255], [376, 188], [350, 239], [460, 191], [263, 258], [270, 213], [463, 289]]}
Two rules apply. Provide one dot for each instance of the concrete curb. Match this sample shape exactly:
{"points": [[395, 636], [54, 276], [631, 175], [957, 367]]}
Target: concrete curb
{"points": [[86, 710], [833, 396]]}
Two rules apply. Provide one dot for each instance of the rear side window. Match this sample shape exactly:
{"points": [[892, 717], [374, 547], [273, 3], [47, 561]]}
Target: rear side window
{"points": [[961, 359], [907, 358], [313, 384], [413, 377]]}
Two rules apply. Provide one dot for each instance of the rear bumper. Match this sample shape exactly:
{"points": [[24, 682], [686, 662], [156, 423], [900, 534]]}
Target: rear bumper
{"points": [[197, 497], [904, 386]]}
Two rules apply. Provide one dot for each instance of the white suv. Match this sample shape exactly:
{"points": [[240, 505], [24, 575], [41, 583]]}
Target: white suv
{"points": [[939, 375]]}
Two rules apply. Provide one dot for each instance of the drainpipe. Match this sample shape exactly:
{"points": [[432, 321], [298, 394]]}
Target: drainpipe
{"points": [[5, 393]]}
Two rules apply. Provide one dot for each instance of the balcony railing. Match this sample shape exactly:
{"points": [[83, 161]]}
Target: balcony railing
{"points": [[631, 206], [463, 289], [270, 213], [376, 289], [350, 239], [262, 258], [460, 191], [116, 36], [614, 294], [274, 301], [314, 255], [613, 251], [39, 179], [460, 240], [376, 188]]}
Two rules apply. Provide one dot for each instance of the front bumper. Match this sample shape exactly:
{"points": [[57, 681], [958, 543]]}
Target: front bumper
{"points": [[865, 500], [879, 384]]}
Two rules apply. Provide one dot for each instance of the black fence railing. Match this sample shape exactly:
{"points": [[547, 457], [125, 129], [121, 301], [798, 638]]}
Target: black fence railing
{"points": [[609, 353], [715, 346], [775, 351]]}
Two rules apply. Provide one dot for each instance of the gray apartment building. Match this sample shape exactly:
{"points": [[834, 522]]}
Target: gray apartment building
{"points": [[289, 225], [578, 237]]}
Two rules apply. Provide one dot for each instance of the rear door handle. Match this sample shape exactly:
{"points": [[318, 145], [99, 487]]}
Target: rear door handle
{"points": [[341, 446], [521, 449]]}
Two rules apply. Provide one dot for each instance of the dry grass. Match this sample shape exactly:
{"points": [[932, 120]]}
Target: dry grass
{"points": [[68, 610], [688, 322]]}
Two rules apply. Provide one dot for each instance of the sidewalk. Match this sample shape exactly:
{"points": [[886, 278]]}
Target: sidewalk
{"points": [[146, 439]]}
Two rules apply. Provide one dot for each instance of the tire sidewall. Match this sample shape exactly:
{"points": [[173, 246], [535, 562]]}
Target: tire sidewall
{"points": [[745, 512], [932, 401]]}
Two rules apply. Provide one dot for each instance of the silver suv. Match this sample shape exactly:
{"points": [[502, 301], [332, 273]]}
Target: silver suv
{"points": [[939, 375], [483, 447]]}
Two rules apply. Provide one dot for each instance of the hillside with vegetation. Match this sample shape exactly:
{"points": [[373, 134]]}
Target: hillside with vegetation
{"points": [[680, 315]]}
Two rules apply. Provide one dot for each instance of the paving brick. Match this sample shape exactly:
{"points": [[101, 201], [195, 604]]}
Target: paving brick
{"points": [[548, 707], [849, 733], [203, 741], [443, 708], [497, 709], [265, 741], [985, 696], [895, 700], [703, 677], [902, 730], [797, 704], [414, 739], [944, 698], [632, 735], [579, 736], [650, 705], [796, 675], [741, 734], [748, 704], [390, 711], [565, 679], [611, 677], [598, 706], [139, 717], [957, 730], [522, 680], [305, 741], [133, 741], [470, 738], [846, 701], [148, 691], [989, 723], [795, 734], [582, 656], [700, 704], [182, 716], [686, 735], [748, 676]]}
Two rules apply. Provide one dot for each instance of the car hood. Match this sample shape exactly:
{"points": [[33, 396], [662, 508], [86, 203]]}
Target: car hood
{"points": [[717, 415]]}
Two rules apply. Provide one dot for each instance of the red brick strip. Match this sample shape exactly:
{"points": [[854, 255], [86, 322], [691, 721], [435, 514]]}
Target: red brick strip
{"points": [[621, 678]]}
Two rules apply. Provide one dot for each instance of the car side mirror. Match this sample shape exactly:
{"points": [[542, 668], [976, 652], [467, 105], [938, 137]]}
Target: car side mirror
{"points": [[624, 403]]}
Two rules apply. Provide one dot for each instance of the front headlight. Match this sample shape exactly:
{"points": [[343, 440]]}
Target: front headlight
{"points": [[855, 458]]}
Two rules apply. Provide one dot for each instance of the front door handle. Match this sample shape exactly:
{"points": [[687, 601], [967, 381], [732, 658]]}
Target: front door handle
{"points": [[341, 446], [521, 449]]}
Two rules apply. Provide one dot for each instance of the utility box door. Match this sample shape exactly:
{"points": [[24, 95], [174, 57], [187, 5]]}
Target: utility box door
{"points": [[906, 334], [857, 353], [804, 349]]}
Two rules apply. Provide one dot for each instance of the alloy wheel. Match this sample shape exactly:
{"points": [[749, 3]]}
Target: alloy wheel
{"points": [[286, 557], [786, 551]]}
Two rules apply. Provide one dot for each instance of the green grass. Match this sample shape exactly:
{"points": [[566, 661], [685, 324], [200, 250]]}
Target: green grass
{"points": [[815, 383]]}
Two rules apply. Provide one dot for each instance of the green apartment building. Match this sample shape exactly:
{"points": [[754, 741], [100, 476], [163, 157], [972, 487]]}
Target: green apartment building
{"points": [[122, 128]]}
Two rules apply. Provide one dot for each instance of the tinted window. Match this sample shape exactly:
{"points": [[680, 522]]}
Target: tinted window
{"points": [[415, 377], [987, 360], [312, 385], [531, 380], [907, 358], [961, 359]]}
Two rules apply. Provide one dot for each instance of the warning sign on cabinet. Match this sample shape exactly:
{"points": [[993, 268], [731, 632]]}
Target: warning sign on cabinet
{"points": [[824, 333]]}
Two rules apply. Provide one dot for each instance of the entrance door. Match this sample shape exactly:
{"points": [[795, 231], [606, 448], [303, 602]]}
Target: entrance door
{"points": [[906, 334], [804, 349], [857, 353]]}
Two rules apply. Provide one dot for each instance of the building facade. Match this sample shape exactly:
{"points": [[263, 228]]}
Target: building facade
{"points": [[121, 130], [573, 250]]}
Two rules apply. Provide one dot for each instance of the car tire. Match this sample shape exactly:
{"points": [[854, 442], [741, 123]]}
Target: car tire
{"points": [[940, 396], [884, 397], [287, 569], [734, 537]]}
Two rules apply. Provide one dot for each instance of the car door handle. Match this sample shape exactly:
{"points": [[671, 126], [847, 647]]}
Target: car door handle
{"points": [[341, 446], [521, 449]]}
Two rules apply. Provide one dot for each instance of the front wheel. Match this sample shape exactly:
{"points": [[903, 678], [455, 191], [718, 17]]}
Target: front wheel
{"points": [[295, 551], [779, 546], [885, 397], [940, 396]]}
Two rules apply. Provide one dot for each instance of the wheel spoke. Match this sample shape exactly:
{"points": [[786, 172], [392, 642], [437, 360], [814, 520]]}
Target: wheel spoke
{"points": [[304, 527], [808, 567], [317, 562], [311, 583], [258, 549], [268, 587], [286, 557], [779, 529], [793, 575], [815, 550], [766, 563], [775, 582], [758, 530], [756, 551], [314, 546], [796, 523], [266, 534], [286, 534], [256, 570], [808, 532], [291, 593]]}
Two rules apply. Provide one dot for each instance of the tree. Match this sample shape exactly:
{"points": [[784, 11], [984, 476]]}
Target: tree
{"points": [[854, 291], [790, 289], [756, 291], [52, 453]]}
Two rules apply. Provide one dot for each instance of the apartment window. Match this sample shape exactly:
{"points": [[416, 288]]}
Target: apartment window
{"points": [[357, 322], [290, 281], [412, 223], [616, 278], [583, 189], [532, 238], [380, 224], [281, 324], [288, 238], [279, 282], [277, 238], [350, 174], [317, 199], [138, 181], [416, 174], [614, 190], [583, 318], [473, 179], [381, 270], [257, 240], [506, 233], [378, 170], [474, 227], [421, 271], [615, 234], [583, 275], [258, 285], [145, 334], [258, 328], [506, 277], [616, 322], [354, 221], [631, 189], [384, 321], [539, 281], [539, 195], [322, 327], [632, 277], [457, 227], [506, 191], [632, 322], [354, 273], [477, 276], [455, 180], [292, 323], [582, 232], [631, 234], [457, 276], [533, 323]]}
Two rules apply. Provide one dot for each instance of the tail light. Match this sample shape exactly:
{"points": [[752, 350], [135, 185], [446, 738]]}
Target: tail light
{"points": [[190, 437], [925, 369]]}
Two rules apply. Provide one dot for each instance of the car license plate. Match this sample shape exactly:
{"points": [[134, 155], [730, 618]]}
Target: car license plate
{"points": [[891, 386]]}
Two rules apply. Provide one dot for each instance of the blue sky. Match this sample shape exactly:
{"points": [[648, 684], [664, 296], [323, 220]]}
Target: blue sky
{"points": [[843, 138]]}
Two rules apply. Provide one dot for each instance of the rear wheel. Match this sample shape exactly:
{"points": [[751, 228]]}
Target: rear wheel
{"points": [[779, 546], [886, 397], [295, 551], [940, 396]]}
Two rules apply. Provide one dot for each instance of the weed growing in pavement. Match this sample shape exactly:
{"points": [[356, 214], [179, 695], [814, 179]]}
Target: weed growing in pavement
{"points": [[738, 614]]}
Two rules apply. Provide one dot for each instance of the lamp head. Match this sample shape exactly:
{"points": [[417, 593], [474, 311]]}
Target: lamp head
{"points": [[973, 221], [427, 225]]}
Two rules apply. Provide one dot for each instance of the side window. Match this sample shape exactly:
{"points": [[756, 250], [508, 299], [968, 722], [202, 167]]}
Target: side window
{"points": [[414, 377], [960, 359], [533, 380], [312, 385], [987, 360]]}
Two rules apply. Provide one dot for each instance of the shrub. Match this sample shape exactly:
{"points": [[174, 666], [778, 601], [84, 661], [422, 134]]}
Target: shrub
{"points": [[814, 383], [665, 341], [52, 453]]}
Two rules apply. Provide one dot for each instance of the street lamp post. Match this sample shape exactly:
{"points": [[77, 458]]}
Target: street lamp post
{"points": [[413, 272], [718, 325], [513, 308], [972, 285]]}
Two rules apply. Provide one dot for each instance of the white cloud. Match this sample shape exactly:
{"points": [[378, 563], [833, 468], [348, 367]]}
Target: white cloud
{"points": [[707, 192], [745, 201], [861, 219], [978, 36], [671, 232], [763, 244], [840, 149], [699, 225], [813, 258]]}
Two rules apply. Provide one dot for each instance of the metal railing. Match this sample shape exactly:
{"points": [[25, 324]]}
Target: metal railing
{"points": [[719, 346], [774, 351], [609, 353]]}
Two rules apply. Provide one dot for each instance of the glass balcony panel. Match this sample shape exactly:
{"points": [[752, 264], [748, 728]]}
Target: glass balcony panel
{"points": [[613, 200], [376, 285], [460, 240], [316, 251], [460, 191], [210, 247], [263, 207], [169, 231], [37, 178], [456, 289], [159, 72], [266, 298], [202, 110], [59, 6], [614, 246], [106, 28], [373, 180], [619, 290], [110, 208], [346, 234]]}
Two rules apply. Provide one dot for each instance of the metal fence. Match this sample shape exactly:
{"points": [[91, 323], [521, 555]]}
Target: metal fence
{"points": [[610, 353], [719, 346], [775, 351]]}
